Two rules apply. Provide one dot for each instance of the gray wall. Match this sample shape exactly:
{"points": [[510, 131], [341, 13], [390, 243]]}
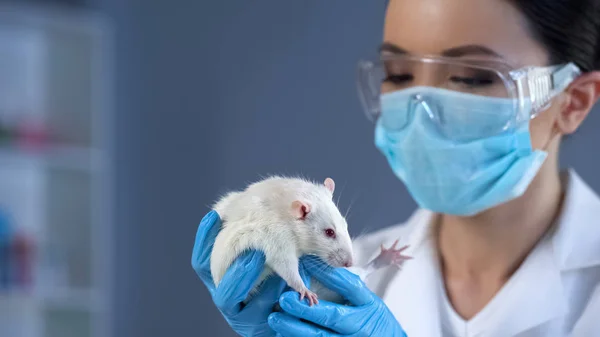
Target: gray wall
{"points": [[211, 94]]}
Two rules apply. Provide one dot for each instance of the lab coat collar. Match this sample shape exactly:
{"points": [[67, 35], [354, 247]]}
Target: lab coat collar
{"points": [[577, 238], [411, 294], [575, 244], [527, 306]]}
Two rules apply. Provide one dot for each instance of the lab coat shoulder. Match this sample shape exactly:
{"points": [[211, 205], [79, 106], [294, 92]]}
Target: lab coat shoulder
{"points": [[576, 246], [588, 323], [577, 239]]}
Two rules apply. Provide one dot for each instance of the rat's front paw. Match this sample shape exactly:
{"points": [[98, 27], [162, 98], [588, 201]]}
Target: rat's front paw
{"points": [[392, 256], [312, 297]]}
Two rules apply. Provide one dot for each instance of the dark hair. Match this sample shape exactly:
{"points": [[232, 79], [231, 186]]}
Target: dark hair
{"points": [[570, 29]]}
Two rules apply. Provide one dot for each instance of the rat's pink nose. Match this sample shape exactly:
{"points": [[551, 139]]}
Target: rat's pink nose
{"points": [[348, 264]]}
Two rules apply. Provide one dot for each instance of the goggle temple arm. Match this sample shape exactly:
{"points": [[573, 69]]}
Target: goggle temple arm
{"points": [[538, 86]]}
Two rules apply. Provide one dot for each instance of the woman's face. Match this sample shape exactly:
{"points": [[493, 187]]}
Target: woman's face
{"points": [[437, 26]]}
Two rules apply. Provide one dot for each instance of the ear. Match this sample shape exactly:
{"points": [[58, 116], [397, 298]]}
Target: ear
{"points": [[330, 184], [581, 97], [300, 209]]}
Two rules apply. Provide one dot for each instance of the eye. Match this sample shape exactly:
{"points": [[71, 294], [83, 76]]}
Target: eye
{"points": [[472, 81], [398, 79], [330, 233]]}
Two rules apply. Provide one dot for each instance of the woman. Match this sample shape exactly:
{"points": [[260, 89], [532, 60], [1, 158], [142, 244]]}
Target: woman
{"points": [[504, 244]]}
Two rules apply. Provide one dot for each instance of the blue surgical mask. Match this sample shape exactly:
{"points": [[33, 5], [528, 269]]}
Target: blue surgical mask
{"points": [[455, 176]]}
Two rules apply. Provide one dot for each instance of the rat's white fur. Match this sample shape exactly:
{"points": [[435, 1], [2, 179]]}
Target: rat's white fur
{"points": [[261, 217]]}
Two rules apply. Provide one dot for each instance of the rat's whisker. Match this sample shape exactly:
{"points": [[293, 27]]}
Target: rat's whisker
{"points": [[340, 195], [363, 232], [350, 206]]}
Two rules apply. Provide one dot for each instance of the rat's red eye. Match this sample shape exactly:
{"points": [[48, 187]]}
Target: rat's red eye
{"points": [[330, 232]]}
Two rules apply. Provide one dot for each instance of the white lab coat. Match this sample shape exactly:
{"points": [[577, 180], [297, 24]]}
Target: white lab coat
{"points": [[555, 293]]}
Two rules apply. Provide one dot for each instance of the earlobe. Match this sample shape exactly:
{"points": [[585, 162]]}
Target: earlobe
{"points": [[583, 94], [300, 209]]}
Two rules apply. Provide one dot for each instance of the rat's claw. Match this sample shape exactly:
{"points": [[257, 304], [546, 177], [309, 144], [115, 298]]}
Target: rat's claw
{"points": [[313, 298], [402, 249], [390, 256], [310, 296], [400, 260], [393, 247], [393, 255], [393, 250]]}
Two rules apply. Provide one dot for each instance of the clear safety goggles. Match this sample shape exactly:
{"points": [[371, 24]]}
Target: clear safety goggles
{"points": [[523, 93]]}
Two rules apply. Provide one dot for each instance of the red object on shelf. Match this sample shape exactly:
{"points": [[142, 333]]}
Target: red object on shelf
{"points": [[32, 134], [22, 251]]}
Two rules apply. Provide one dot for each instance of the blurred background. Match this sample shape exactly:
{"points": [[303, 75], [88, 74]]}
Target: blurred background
{"points": [[121, 121]]}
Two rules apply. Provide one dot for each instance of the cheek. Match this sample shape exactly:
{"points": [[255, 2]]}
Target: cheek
{"points": [[323, 241], [541, 128]]}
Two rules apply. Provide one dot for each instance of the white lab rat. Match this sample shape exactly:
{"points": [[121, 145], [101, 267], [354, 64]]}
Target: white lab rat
{"points": [[287, 218]]}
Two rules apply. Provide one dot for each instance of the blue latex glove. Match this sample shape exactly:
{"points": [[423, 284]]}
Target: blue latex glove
{"points": [[367, 316], [248, 320]]}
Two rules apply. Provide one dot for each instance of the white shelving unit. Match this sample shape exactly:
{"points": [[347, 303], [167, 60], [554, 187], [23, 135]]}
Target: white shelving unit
{"points": [[55, 65]]}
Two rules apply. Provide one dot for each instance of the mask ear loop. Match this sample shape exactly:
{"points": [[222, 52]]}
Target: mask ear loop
{"points": [[553, 133]]}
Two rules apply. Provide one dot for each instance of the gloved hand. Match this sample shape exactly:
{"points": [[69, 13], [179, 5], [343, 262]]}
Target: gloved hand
{"points": [[248, 320], [367, 316]]}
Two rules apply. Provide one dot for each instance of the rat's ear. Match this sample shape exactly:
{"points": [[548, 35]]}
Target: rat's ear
{"points": [[300, 209], [330, 184]]}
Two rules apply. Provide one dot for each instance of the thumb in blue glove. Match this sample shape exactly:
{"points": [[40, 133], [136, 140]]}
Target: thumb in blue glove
{"points": [[367, 316]]}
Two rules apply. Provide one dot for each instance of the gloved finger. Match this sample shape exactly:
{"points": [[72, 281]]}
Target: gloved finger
{"points": [[268, 293], [288, 326], [340, 280], [205, 238], [239, 279], [339, 318]]}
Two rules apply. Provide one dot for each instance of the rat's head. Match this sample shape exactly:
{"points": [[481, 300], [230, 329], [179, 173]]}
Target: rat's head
{"points": [[323, 229]]}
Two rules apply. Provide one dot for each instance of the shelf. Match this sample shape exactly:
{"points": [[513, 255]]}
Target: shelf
{"points": [[73, 299], [57, 157], [70, 299], [58, 68]]}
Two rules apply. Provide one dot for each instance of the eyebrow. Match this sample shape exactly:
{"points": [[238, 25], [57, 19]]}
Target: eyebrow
{"points": [[467, 50]]}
